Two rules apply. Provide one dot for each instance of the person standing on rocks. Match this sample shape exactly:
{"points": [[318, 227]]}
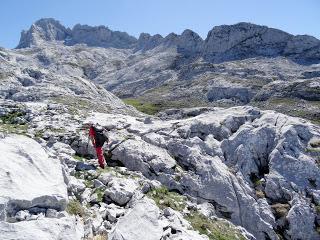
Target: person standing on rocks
{"points": [[98, 137]]}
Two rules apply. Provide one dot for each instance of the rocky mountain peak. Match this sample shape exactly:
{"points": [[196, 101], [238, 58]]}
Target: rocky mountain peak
{"points": [[100, 36], [46, 29], [146, 41], [49, 29]]}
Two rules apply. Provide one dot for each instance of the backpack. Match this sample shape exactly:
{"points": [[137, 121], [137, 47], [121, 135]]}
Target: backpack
{"points": [[101, 136]]}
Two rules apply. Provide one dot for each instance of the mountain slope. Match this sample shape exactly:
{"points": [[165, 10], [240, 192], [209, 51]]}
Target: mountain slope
{"points": [[235, 65]]}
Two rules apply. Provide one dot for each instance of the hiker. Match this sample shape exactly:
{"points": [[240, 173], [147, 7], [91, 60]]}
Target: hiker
{"points": [[98, 137]]}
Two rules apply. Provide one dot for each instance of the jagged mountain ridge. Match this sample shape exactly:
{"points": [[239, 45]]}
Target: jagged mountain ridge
{"points": [[224, 42]]}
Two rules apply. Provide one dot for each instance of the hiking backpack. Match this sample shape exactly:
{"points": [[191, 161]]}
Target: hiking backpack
{"points": [[101, 136]]}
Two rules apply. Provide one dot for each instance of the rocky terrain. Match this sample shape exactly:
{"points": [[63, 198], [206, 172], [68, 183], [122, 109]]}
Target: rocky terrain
{"points": [[235, 65], [190, 173]]}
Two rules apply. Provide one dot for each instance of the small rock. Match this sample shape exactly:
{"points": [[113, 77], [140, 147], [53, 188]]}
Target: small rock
{"points": [[85, 196], [62, 214], [51, 213], [107, 225], [168, 212], [97, 183], [81, 166], [22, 215], [121, 190], [37, 210], [146, 188], [105, 178]]}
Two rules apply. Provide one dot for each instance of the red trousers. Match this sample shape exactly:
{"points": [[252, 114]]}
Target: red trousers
{"points": [[100, 156]]}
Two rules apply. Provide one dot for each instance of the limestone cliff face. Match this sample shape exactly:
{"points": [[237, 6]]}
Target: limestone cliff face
{"points": [[226, 42], [46, 29]]}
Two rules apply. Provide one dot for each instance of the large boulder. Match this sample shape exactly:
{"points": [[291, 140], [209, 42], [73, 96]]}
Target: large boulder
{"points": [[46, 228], [301, 219], [29, 177], [120, 190], [140, 223], [145, 221]]}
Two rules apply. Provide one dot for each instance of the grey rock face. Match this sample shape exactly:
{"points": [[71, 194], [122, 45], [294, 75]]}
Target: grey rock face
{"points": [[147, 214], [120, 190], [25, 164], [144, 222], [243, 39], [100, 36], [224, 157], [301, 227], [47, 228], [147, 42], [226, 42], [46, 29]]}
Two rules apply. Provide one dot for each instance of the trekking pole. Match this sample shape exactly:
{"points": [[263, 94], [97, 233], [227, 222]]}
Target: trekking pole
{"points": [[88, 145]]}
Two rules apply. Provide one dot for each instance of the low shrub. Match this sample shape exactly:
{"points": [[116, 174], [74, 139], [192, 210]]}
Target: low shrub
{"points": [[74, 207]]}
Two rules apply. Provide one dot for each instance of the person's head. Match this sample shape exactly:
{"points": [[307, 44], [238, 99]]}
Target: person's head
{"points": [[87, 125]]}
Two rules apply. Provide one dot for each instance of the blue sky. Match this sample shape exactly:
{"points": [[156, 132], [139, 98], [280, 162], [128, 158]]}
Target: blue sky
{"points": [[161, 16]]}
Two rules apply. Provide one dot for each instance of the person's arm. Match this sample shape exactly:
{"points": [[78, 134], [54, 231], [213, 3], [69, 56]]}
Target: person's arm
{"points": [[91, 135], [93, 140]]}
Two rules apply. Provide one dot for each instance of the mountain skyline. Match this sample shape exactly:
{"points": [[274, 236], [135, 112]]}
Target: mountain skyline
{"points": [[159, 17], [69, 29]]}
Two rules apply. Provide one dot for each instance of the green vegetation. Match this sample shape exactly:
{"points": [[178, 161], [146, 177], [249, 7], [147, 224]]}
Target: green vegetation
{"points": [[89, 183], [14, 128], [313, 150], [214, 229], [103, 170], [78, 158], [10, 117], [148, 108], [8, 123], [100, 237], [164, 198], [158, 104], [78, 174], [40, 133], [318, 209], [74, 207], [76, 104], [100, 193], [294, 107]]}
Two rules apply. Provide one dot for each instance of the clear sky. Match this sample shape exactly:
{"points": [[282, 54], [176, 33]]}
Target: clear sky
{"points": [[160, 16]]}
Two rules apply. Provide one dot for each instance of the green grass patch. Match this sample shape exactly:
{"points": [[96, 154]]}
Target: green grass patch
{"points": [[74, 207], [100, 193], [14, 128], [164, 198], [79, 158], [318, 209], [214, 229], [89, 183], [145, 107], [77, 105], [10, 117], [78, 174], [316, 150]]}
